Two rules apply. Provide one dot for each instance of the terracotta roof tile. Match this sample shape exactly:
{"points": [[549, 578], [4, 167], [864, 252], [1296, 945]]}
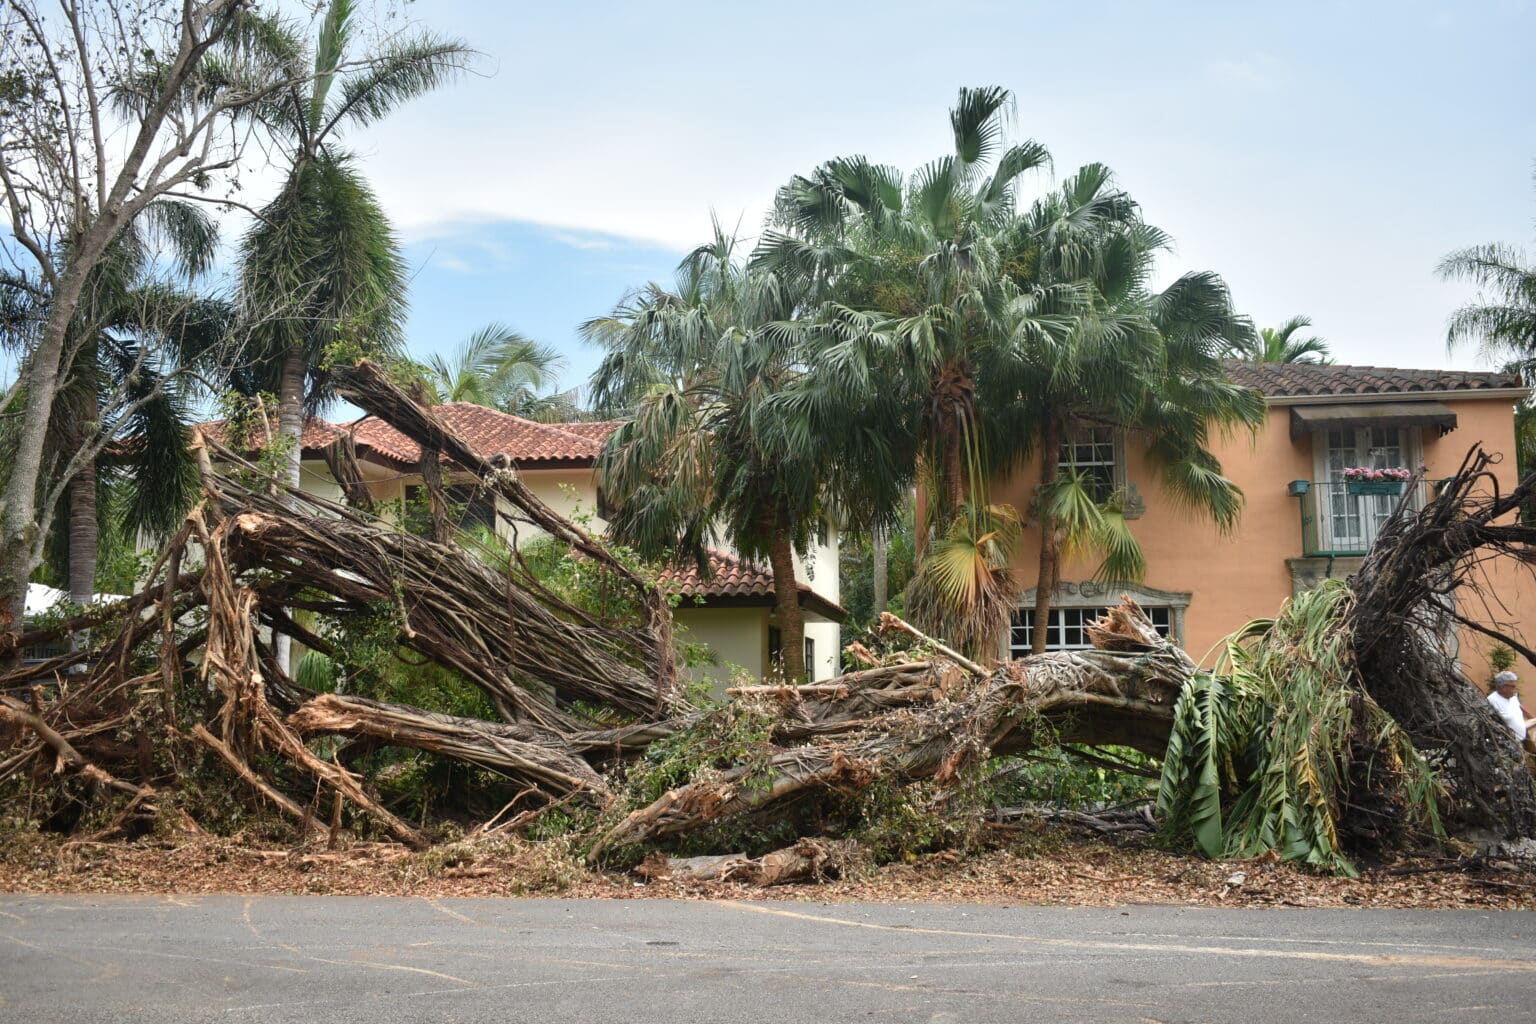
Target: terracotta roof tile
{"points": [[596, 430], [1290, 380], [490, 432], [734, 578], [318, 433]]}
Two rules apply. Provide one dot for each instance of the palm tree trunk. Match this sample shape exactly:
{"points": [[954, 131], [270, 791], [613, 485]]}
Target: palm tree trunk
{"points": [[290, 427], [880, 568], [1050, 569], [83, 535], [786, 594], [290, 411], [84, 527]]}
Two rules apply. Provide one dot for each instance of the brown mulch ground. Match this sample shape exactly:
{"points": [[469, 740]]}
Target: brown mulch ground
{"points": [[1052, 869]]}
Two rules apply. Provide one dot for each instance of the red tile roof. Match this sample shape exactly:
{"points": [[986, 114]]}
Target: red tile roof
{"points": [[735, 580], [490, 433], [318, 433], [1293, 380]]}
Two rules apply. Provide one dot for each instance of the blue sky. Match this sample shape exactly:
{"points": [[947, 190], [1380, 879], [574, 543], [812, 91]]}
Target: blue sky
{"points": [[1322, 157]]}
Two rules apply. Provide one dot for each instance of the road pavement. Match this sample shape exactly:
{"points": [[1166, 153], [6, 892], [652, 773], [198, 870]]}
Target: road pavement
{"points": [[383, 960]]}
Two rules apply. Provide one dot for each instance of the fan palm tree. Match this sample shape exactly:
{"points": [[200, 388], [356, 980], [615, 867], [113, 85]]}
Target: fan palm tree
{"points": [[1281, 345], [499, 368], [1140, 362], [917, 257], [696, 370], [986, 334], [321, 269]]}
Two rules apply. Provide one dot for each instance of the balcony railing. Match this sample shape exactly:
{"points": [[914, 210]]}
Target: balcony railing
{"points": [[1335, 521]]}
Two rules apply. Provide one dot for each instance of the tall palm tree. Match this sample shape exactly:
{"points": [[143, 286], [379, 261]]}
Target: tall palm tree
{"points": [[697, 370], [321, 272], [918, 258], [321, 268], [499, 368], [986, 334], [1145, 363], [1281, 345]]}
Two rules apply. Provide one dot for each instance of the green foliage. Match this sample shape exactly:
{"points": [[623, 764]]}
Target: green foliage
{"points": [[1525, 452], [963, 590], [725, 736], [1281, 345], [378, 667], [250, 423], [1501, 658], [899, 822], [1055, 776], [1263, 758], [856, 568]]}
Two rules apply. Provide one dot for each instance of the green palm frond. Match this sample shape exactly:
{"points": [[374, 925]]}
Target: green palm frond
{"points": [[978, 121], [407, 69], [1259, 759]]}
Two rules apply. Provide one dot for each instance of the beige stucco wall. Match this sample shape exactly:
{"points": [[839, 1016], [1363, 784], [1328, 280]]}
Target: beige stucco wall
{"points": [[738, 637], [1242, 576]]}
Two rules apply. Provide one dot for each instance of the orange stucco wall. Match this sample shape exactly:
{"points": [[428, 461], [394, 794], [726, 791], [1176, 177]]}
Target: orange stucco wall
{"points": [[1245, 575]]}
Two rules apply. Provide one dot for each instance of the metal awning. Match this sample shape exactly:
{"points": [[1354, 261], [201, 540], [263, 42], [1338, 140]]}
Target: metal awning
{"points": [[1307, 418]]}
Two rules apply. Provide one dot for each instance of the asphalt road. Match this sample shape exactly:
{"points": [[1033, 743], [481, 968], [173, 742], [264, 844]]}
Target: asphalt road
{"points": [[343, 959]]}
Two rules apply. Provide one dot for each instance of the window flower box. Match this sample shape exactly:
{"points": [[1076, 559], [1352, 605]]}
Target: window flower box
{"points": [[1370, 480], [1390, 487]]}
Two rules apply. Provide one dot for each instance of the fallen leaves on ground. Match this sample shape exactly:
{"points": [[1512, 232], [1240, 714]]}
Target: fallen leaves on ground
{"points": [[1050, 870]]}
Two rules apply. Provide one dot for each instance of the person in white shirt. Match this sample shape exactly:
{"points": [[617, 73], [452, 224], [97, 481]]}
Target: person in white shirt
{"points": [[1507, 703]]}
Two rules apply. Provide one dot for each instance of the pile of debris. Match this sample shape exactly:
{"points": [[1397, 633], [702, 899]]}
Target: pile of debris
{"points": [[187, 668]]}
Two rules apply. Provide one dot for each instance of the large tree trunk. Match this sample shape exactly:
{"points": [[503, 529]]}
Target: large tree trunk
{"points": [[1050, 570], [21, 533], [786, 595]]}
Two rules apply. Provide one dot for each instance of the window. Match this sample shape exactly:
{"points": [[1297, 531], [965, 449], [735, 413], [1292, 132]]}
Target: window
{"points": [[1068, 628], [1091, 451], [1350, 521]]}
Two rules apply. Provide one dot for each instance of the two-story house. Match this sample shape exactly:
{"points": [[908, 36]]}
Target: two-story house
{"points": [[1302, 520], [732, 611]]}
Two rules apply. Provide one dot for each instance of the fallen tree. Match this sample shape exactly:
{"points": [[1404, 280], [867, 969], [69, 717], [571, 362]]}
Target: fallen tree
{"points": [[1341, 727]]}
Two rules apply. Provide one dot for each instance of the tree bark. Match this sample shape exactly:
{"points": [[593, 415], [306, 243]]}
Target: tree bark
{"points": [[290, 427], [880, 569], [1045, 579], [786, 594], [84, 526], [20, 533]]}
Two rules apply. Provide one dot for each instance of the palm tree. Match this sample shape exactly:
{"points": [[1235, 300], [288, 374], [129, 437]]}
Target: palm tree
{"points": [[986, 335], [321, 274], [917, 257], [501, 369], [1142, 363], [321, 271], [1281, 345], [1503, 316], [130, 337], [697, 370]]}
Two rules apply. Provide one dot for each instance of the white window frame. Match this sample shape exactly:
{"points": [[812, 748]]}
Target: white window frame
{"points": [[1094, 438], [1378, 506], [1088, 595]]}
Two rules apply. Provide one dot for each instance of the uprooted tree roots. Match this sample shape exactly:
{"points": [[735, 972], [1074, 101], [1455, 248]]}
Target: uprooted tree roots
{"points": [[1342, 727]]}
